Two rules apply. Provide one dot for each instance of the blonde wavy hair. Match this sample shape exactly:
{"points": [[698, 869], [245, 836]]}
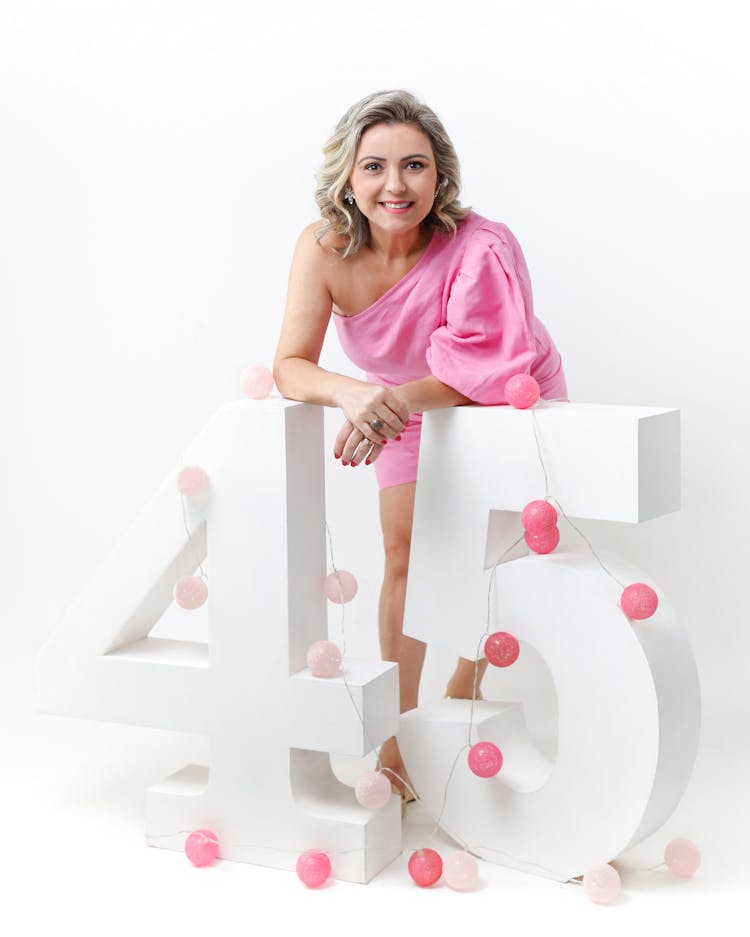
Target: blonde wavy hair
{"points": [[388, 107]]}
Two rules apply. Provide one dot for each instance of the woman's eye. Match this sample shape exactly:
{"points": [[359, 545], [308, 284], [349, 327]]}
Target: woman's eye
{"points": [[417, 164], [369, 165]]}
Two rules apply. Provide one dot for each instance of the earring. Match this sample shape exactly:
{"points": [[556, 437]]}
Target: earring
{"points": [[349, 195]]}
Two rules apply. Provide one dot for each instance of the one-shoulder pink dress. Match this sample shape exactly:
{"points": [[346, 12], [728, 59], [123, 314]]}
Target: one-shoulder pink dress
{"points": [[463, 313]]}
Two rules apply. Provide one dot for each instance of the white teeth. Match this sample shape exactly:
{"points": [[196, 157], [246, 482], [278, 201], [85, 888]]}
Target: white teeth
{"points": [[396, 204]]}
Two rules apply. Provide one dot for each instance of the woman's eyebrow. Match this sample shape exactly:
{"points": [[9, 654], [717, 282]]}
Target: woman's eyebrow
{"points": [[382, 159]]}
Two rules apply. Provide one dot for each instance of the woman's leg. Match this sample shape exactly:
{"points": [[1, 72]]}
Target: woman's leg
{"points": [[461, 684], [396, 513]]}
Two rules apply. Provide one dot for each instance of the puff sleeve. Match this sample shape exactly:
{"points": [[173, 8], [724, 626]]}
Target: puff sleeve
{"points": [[488, 335]]}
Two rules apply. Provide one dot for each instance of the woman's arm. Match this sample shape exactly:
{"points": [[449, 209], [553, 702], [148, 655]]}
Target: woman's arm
{"points": [[308, 311], [428, 393], [295, 369]]}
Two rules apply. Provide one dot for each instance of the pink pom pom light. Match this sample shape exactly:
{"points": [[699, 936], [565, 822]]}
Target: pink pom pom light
{"points": [[682, 857], [202, 847], [256, 381], [485, 759], [313, 868], [192, 481], [425, 867], [602, 884], [340, 586], [460, 870], [522, 391], [543, 542], [538, 516], [639, 601], [190, 592], [324, 659], [501, 649], [373, 790]]}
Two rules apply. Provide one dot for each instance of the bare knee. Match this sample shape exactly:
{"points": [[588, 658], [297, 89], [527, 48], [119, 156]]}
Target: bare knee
{"points": [[397, 556]]}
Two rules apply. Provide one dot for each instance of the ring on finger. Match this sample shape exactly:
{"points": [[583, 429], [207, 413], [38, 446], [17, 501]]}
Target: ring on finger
{"points": [[376, 424]]}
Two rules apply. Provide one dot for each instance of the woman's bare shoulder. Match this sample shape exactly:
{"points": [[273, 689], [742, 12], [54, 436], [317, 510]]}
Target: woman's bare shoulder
{"points": [[327, 244]]}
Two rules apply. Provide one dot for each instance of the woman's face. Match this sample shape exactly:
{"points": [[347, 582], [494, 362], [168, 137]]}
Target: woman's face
{"points": [[394, 176]]}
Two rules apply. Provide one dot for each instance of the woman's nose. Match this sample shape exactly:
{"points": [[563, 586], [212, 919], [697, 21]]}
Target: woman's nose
{"points": [[395, 183]]}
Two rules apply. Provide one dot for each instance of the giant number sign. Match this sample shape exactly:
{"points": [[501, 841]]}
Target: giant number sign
{"points": [[628, 697]]}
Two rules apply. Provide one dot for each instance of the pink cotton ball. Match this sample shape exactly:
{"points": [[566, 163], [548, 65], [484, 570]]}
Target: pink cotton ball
{"points": [[313, 868], [485, 759], [324, 659], [373, 790], [522, 391], [501, 649], [682, 857], [202, 847], [256, 381], [602, 884], [543, 542], [460, 871], [190, 592], [192, 480], [425, 867], [340, 586], [639, 601], [538, 516]]}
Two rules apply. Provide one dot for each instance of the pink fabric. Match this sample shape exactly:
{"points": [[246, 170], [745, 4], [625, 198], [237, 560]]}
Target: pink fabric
{"points": [[463, 313]]}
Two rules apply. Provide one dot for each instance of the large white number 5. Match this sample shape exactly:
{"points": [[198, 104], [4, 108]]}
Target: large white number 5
{"points": [[627, 692]]}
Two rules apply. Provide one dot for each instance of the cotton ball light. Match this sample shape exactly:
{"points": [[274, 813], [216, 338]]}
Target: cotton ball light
{"points": [[192, 480], [639, 601], [324, 659], [538, 516], [544, 541], [485, 759], [313, 868], [256, 381], [501, 649], [682, 857], [340, 586], [190, 592], [602, 884], [522, 391], [202, 847], [460, 870], [373, 790], [425, 867]]}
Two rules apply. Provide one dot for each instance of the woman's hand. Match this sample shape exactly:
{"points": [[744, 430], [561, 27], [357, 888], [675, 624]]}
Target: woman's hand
{"points": [[352, 447], [363, 403]]}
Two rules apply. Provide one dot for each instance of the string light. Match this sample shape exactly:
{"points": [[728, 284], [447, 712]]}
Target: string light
{"points": [[639, 601], [324, 659], [256, 381], [522, 391], [190, 592], [202, 847], [425, 867], [313, 868]]}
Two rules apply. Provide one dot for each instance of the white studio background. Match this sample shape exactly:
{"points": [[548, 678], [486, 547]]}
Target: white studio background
{"points": [[156, 166]]}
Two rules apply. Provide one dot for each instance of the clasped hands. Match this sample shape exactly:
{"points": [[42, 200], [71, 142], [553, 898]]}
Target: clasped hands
{"points": [[363, 403]]}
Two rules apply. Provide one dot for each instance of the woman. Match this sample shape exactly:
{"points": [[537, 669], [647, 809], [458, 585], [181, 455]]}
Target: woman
{"points": [[430, 299]]}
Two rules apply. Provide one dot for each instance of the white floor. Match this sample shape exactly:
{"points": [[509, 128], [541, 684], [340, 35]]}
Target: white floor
{"points": [[75, 855]]}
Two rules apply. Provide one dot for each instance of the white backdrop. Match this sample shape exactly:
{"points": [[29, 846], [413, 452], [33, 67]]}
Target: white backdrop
{"points": [[157, 164]]}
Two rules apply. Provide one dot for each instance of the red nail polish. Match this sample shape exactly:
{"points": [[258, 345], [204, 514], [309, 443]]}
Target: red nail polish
{"points": [[385, 441], [337, 455], [397, 438], [367, 461], [344, 463]]}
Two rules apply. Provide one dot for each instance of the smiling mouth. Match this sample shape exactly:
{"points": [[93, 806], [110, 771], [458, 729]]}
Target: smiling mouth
{"points": [[396, 204]]}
